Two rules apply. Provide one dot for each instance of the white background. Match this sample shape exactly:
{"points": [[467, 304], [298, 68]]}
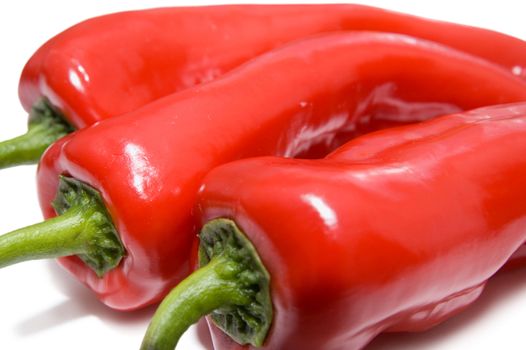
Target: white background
{"points": [[42, 307]]}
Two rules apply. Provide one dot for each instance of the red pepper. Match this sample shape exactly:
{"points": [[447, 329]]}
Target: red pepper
{"points": [[395, 231], [316, 92], [117, 63]]}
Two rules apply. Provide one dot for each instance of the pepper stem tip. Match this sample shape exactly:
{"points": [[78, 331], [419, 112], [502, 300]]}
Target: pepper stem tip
{"points": [[83, 228], [232, 285], [45, 126]]}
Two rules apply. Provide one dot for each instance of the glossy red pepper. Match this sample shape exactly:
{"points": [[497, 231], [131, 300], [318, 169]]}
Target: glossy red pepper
{"points": [[316, 92], [395, 231], [67, 83]]}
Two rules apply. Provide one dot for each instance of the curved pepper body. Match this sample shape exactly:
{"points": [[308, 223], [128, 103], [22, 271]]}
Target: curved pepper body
{"points": [[395, 231], [148, 165], [114, 64]]}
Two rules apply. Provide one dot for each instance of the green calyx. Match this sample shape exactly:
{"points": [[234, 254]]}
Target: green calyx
{"points": [[232, 285], [102, 250], [45, 126], [83, 228], [245, 323]]}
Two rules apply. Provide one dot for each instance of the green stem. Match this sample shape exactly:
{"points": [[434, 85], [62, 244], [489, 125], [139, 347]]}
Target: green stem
{"points": [[60, 236], [45, 127], [232, 286], [83, 228], [209, 288]]}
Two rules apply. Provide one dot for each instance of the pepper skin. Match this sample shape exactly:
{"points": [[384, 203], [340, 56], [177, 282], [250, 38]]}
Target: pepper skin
{"points": [[282, 103], [146, 61], [395, 231]]}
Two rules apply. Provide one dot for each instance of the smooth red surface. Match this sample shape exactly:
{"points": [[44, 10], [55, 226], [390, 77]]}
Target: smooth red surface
{"points": [[394, 231], [312, 95], [114, 64]]}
